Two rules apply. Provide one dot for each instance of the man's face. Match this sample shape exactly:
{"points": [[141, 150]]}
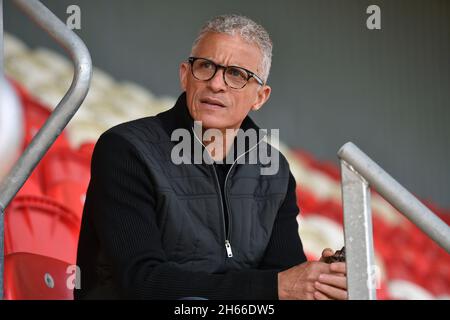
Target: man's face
{"points": [[213, 102]]}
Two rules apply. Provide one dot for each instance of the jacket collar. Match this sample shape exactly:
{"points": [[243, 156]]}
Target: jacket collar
{"points": [[178, 117]]}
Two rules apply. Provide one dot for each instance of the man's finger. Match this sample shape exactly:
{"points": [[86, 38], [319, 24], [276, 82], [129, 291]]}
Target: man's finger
{"points": [[320, 296], [321, 267], [327, 252], [338, 267], [337, 281], [331, 292]]}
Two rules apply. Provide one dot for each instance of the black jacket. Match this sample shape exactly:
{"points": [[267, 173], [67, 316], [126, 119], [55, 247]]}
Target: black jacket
{"points": [[156, 230]]}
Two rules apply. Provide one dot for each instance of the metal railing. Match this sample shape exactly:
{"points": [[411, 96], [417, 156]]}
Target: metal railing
{"points": [[358, 173], [61, 115]]}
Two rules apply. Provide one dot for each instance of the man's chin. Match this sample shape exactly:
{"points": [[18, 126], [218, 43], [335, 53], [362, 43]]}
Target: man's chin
{"points": [[213, 122]]}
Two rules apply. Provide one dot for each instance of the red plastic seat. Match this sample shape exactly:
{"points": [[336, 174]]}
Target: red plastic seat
{"points": [[86, 149], [32, 186], [71, 193], [42, 226], [65, 165], [35, 277], [65, 177]]}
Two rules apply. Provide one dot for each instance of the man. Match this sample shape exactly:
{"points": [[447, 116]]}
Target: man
{"points": [[155, 227]]}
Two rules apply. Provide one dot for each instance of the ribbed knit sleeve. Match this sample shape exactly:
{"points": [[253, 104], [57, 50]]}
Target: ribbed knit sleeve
{"points": [[285, 248]]}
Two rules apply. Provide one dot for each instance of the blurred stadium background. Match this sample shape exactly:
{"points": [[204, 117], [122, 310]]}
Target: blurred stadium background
{"points": [[389, 97]]}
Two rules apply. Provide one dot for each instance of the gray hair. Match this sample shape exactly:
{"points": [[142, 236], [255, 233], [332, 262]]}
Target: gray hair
{"points": [[248, 29]]}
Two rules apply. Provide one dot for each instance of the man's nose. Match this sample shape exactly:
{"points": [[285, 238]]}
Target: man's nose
{"points": [[217, 82]]}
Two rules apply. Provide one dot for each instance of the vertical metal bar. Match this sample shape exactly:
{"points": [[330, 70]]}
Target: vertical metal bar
{"points": [[358, 235], [1, 208], [397, 195]]}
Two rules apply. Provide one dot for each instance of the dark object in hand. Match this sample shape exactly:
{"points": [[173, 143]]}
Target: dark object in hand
{"points": [[339, 256]]}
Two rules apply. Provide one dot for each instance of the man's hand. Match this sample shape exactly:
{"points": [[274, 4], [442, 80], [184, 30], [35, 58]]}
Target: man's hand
{"points": [[298, 283], [332, 285], [314, 280]]}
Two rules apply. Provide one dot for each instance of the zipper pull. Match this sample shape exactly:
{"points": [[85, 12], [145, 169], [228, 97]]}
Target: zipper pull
{"points": [[228, 247]]}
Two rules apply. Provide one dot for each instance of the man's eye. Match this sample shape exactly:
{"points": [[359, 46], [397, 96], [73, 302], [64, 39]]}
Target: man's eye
{"points": [[206, 65], [234, 72]]}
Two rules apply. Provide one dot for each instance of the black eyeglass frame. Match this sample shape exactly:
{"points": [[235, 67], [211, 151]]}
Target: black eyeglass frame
{"points": [[250, 74]]}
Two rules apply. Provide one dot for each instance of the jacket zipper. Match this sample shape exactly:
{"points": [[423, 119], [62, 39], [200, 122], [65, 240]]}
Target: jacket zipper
{"points": [[227, 235]]}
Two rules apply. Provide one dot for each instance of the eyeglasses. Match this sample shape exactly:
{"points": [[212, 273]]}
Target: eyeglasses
{"points": [[233, 76]]}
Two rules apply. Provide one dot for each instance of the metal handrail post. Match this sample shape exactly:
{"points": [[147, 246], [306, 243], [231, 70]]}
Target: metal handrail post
{"points": [[358, 235], [357, 225], [63, 112]]}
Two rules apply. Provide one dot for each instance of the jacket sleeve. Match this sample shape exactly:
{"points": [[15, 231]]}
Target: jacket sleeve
{"points": [[285, 248], [120, 205]]}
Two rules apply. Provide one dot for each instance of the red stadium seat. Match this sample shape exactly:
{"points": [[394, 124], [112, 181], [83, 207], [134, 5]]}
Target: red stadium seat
{"points": [[32, 187], [35, 277], [42, 226], [65, 177], [71, 193], [86, 149]]}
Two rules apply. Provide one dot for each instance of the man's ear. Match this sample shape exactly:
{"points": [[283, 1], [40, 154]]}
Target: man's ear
{"points": [[262, 96], [184, 72]]}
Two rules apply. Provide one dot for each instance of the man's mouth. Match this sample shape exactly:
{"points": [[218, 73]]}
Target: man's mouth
{"points": [[213, 102]]}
